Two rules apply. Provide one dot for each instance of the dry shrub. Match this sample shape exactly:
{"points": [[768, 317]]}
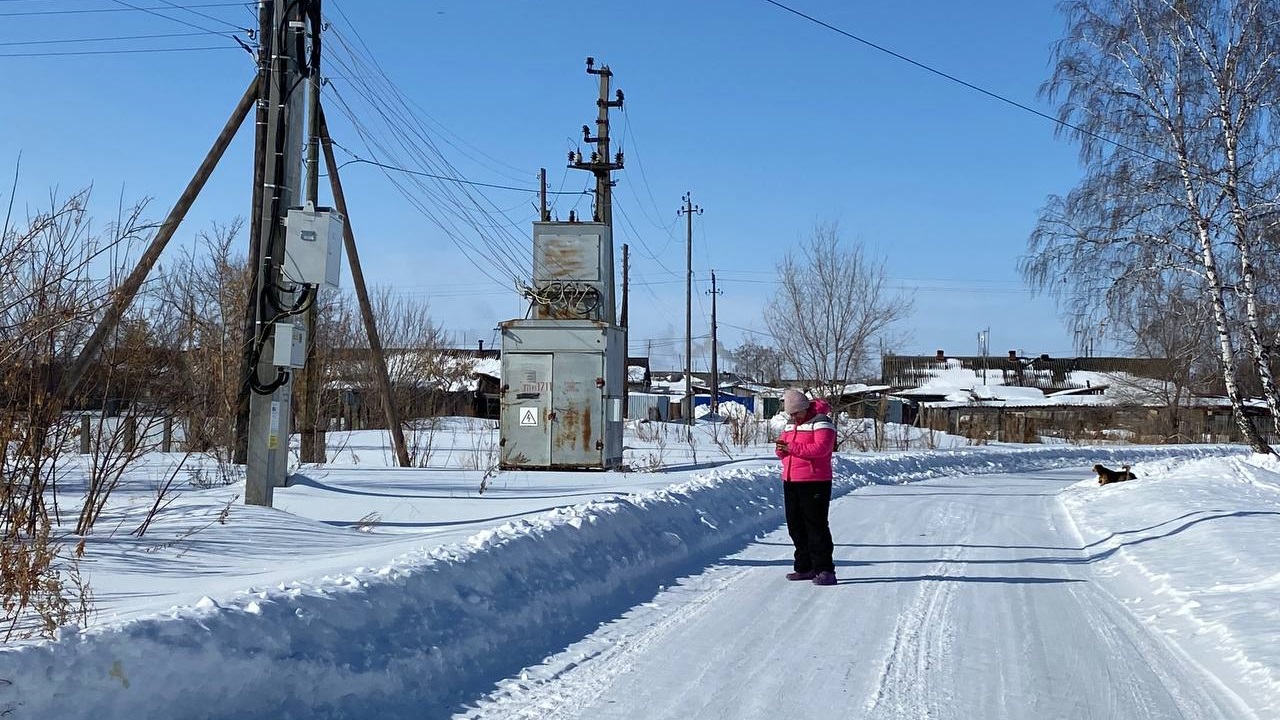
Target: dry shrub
{"points": [[41, 589], [745, 431], [52, 294]]}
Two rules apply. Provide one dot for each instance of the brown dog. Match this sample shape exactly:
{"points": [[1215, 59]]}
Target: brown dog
{"points": [[1106, 475]]}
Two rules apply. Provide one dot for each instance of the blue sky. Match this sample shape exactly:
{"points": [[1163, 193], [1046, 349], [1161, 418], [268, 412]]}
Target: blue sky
{"points": [[771, 122]]}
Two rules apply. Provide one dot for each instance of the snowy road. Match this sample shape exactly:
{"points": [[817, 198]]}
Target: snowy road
{"points": [[963, 597]]}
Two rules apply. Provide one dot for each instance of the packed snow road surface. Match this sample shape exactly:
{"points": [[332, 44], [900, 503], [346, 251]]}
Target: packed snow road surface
{"points": [[960, 597]]}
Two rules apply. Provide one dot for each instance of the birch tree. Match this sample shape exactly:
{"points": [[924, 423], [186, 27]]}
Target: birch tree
{"points": [[1171, 104]]}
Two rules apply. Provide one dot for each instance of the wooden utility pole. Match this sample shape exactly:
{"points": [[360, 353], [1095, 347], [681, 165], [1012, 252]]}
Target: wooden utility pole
{"points": [[266, 19], [602, 164], [689, 210], [715, 374], [270, 405], [389, 412], [626, 262], [626, 359]]}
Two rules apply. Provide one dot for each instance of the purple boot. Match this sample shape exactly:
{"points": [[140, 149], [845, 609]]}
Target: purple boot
{"points": [[826, 577], [808, 575]]}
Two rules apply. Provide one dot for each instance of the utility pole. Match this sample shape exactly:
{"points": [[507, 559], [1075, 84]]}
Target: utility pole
{"points": [[266, 38], [983, 337], [270, 405], [544, 214], [600, 165], [715, 374], [626, 360], [689, 210]]}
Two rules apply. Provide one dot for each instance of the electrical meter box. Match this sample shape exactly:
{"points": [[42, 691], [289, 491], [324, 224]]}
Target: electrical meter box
{"points": [[290, 345], [313, 246]]}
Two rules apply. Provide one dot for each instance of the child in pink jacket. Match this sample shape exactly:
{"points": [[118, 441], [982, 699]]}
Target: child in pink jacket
{"points": [[805, 449]]}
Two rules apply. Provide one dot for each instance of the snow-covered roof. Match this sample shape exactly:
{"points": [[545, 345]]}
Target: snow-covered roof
{"points": [[677, 386], [635, 373], [426, 368], [958, 385], [491, 367]]}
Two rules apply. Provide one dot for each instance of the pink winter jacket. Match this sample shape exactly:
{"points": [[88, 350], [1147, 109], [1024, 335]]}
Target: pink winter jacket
{"points": [[809, 446]]}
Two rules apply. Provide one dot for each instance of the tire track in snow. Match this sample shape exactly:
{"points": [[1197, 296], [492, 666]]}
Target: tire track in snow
{"points": [[1198, 694], [922, 637], [577, 683], [1120, 628]]}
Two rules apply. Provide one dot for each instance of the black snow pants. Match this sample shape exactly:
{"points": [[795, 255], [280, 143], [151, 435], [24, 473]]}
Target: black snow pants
{"points": [[806, 505]]}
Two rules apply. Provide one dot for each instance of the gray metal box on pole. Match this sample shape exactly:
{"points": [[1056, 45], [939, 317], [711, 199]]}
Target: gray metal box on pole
{"points": [[313, 246]]}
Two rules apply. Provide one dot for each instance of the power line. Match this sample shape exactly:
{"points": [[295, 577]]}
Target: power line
{"points": [[118, 52], [993, 95], [114, 38], [901, 284], [87, 11], [207, 16], [405, 133], [387, 104], [385, 166], [628, 133], [152, 11]]}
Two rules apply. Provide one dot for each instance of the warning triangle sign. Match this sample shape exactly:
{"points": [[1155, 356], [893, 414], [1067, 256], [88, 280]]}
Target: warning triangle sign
{"points": [[528, 417]]}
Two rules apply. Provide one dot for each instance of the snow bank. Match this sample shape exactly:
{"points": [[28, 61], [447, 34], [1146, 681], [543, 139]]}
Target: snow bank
{"points": [[1194, 556], [429, 629]]}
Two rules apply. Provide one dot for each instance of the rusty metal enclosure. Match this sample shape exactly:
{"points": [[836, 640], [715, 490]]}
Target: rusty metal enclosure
{"points": [[561, 394], [573, 271]]}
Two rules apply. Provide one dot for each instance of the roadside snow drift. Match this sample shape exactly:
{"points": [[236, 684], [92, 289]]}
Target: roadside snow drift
{"points": [[429, 629]]}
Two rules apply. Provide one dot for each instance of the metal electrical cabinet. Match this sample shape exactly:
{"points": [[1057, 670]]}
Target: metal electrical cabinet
{"points": [[561, 394], [573, 271]]}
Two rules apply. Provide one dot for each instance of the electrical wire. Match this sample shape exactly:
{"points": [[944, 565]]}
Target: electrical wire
{"points": [[153, 11], [358, 159], [114, 38], [269, 293], [207, 16], [130, 51], [444, 223], [87, 11], [635, 234], [403, 133], [497, 165], [629, 133], [998, 97]]}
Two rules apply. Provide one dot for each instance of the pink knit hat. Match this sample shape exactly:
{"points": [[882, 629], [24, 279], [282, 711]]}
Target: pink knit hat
{"points": [[794, 401]]}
